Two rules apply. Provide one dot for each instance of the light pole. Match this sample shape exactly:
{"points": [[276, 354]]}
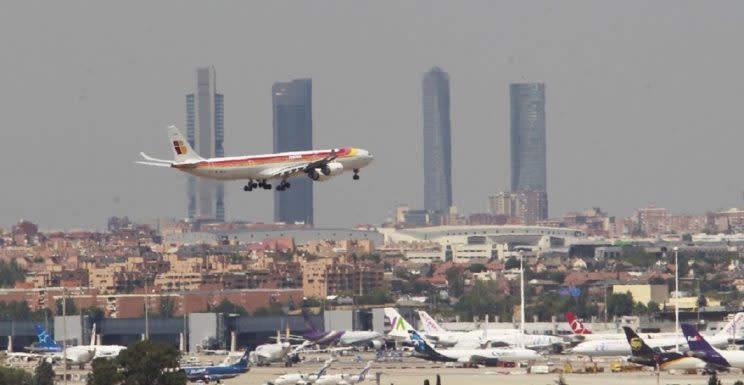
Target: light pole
{"points": [[147, 306], [676, 296], [521, 292], [64, 333]]}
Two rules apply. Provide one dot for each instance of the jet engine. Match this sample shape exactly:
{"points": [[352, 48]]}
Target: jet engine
{"points": [[377, 344], [326, 172]]}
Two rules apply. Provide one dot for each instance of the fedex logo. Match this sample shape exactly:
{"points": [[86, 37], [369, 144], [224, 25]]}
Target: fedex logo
{"points": [[693, 339]]}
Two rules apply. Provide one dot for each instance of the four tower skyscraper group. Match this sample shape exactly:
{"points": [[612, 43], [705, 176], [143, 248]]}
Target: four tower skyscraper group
{"points": [[292, 131]]}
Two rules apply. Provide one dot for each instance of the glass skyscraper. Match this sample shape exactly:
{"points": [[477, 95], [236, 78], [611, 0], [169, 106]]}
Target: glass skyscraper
{"points": [[293, 131], [205, 132], [528, 161], [437, 142]]}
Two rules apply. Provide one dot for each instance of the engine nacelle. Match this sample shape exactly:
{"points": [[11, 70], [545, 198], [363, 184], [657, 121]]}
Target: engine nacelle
{"points": [[326, 172], [377, 344]]}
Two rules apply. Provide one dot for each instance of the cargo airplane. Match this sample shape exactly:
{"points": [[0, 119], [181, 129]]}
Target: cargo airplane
{"points": [[259, 170]]}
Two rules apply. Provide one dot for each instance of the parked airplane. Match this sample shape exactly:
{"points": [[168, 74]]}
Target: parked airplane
{"points": [[700, 348], [341, 337], [104, 351], [46, 343], [344, 379], [259, 170], [281, 351], [300, 378], [643, 354], [615, 347], [473, 356], [581, 332], [47, 347], [399, 327], [487, 337], [218, 372]]}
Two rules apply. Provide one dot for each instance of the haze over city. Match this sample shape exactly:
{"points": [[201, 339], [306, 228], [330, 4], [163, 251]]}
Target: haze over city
{"points": [[642, 101]]}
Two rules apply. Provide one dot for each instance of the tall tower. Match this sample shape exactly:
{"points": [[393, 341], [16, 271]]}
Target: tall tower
{"points": [[293, 131], [205, 132], [528, 164], [437, 142]]}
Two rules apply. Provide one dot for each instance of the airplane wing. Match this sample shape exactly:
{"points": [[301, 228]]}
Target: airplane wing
{"points": [[153, 163], [296, 169], [478, 359]]}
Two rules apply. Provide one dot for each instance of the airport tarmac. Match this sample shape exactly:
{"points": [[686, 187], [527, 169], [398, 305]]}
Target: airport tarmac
{"points": [[413, 371]]}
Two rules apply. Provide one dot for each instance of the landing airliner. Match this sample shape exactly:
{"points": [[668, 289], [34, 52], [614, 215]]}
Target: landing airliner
{"points": [[259, 170]]}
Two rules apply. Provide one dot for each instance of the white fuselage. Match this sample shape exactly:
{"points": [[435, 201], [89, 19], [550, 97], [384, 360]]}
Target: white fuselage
{"points": [[502, 354], [620, 347], [108, 351], [261, 167]]}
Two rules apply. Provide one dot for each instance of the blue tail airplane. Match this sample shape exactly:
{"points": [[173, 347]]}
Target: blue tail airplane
{"points": [[45, 344], [217, 372]]}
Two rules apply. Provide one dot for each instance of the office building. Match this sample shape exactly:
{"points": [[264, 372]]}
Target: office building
{"points": [[293, 131], [205, 132], [528, 159], [437, 143]]}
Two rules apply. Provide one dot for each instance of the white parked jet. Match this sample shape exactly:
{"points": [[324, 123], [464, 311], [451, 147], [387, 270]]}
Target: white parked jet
{"points": [[300, 378], [486, 336], [344, 379], [475, 356], [266, 354], [616, 347], [259, 170]]}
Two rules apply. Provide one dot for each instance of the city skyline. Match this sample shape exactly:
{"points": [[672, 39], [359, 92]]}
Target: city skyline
{"points": [[437, 141], [630, 123]]}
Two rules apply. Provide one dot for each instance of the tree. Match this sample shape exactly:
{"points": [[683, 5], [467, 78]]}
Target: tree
{"points": [[70, 308], [477, 268], [167, 307], [10, 273], [104, 372], [511, 263], [43, 374], [714, 380], [455, 280], [229, 307], [273, 309], [13, 376], [145, 363], [620, 304], [95, 313]]}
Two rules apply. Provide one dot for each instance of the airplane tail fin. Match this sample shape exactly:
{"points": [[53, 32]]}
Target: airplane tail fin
{"points": [[638, 347], [308, 322], [243, 361], [701, 348], [576, 325], [93, 337], [182, 151], [430, 326], [420, 344], [732, 326], [364, 371], [45, 340], [399, 327], [325, 367], [695, 341]]}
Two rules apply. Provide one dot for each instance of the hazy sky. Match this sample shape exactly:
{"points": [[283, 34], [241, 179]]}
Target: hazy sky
{"points": [[644, 100]]}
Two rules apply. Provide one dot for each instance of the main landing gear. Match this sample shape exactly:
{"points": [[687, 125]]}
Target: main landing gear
{"points": [[356, 174], [262, 184], [283, 185]]}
